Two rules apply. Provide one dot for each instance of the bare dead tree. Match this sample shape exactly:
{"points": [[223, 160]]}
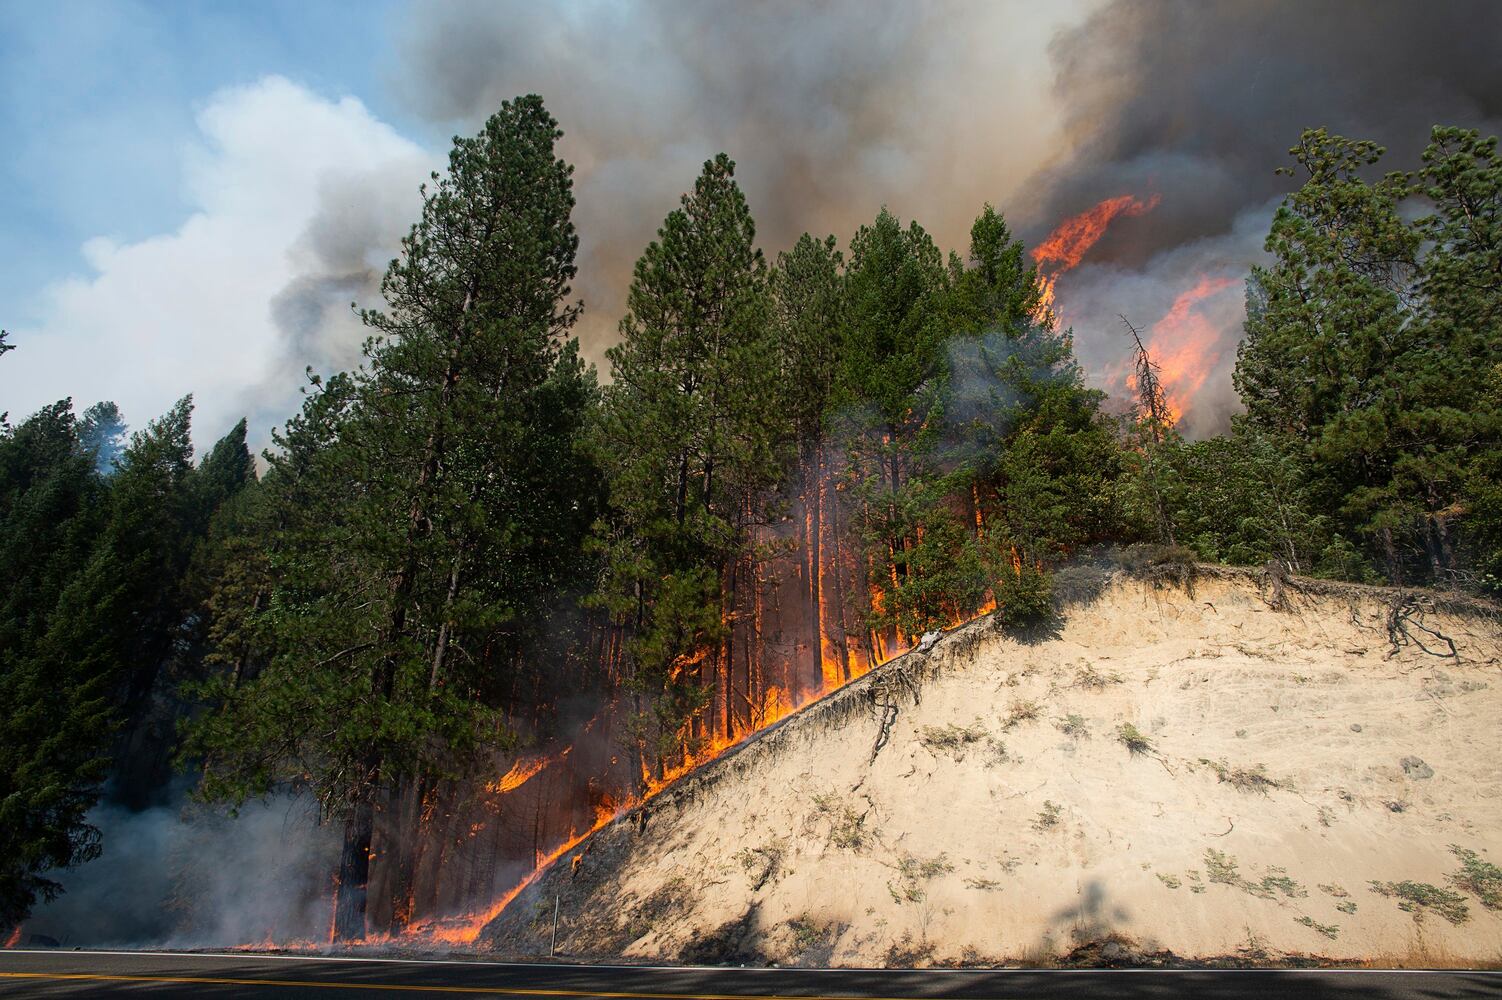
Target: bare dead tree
{"points": [[1150, 396], [1158, 421]]}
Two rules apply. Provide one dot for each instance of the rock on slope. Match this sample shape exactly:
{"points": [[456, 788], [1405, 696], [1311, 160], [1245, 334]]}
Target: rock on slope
{"points": [[1296, 785]]}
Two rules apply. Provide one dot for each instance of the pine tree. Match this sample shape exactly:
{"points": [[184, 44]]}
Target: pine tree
{"points": [[1369, 336], [428, 510], [689, 431], [53, 725]]}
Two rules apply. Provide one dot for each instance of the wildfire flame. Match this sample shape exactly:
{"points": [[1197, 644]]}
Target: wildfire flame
{"points": [[1067, 245], [1185, 345], [521, 772]]}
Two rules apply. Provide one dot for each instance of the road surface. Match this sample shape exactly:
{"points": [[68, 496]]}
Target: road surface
{"points": [[58, 974]]}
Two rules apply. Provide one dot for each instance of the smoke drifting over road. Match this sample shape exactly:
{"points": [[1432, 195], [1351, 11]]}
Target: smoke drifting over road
{"points": [[183, 876]]}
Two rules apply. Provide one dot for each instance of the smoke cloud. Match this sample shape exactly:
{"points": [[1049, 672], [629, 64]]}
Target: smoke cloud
{"points": [[1199, 102], [184, 876], [833, 111], [830, 111]]}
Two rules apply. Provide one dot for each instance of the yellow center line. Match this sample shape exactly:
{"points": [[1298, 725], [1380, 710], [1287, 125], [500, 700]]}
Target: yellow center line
{"points": [[398, 987]]}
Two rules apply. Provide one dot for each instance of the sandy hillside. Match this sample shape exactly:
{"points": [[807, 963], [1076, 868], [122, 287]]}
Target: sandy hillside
{"points": [[1291, 760]]}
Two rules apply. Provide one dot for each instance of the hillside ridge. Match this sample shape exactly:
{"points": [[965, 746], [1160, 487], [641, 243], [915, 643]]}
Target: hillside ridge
{"points": [[631, 889]]}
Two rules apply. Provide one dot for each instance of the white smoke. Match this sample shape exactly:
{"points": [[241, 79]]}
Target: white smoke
{"points": [[186, 876]]}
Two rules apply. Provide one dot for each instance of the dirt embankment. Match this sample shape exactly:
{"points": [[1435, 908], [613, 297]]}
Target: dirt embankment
{"points": [[1214, 772]]}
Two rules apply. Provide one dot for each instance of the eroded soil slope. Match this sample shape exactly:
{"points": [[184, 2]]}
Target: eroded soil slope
{"points": [[1196, 771]]}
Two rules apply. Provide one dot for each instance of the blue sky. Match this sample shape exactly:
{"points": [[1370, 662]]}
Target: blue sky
{"points": [[99, 101]]}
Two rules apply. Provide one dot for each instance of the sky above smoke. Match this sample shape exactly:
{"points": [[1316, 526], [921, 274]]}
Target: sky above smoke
{"points": [[228, 250]]}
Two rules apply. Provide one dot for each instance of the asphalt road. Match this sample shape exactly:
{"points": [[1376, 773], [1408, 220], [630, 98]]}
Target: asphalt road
{"points": [[51, 974]]}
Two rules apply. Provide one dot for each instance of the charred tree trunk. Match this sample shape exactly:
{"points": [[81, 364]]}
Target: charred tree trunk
{"points": [[354, 873]]}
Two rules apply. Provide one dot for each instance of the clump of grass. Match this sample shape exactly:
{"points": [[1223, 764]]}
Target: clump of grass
{"points": [[1330, 931], [1277, 879], [1346, 906], [912, 873], [1021, 711], [1132, 738], [1241, 778], [982, 883], [807, 933], [1073, 726], [1419, 898], [1048, 818], [763, 864], [1095, 680], [847, 828], [1481, 879], [1334, 890], [1172, 881], [951, 739], [1223, 869]]}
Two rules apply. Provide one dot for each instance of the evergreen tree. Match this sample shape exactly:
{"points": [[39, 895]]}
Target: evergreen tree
{"points": [[102, 431], [52, 725], [1369, 337], [434, 506], [999, 290], [689, 432], [812, 330]]}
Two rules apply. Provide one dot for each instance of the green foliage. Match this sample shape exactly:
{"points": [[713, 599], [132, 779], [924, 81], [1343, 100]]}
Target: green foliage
{"points": [[52, 726], [94, 611], [1331, 931], [1480, 878], [689, 433], [1419, 898], [1239, 500], [1370, 342], [1132, 738], [420, 515]]}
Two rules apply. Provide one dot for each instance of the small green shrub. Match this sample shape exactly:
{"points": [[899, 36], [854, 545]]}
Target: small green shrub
{"points": [[1481, 879], [1073, 726], [912, 873], [847, 828], [1330, 931], [1223, 869], [1094, 680], [1130, 737], [1240, 778], [951, 739], [1021, 711], [1419, 898], [1048, 818], [1024, 598]]}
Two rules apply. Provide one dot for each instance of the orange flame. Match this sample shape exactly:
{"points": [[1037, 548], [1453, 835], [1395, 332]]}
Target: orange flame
{"points": [[1067, 245], [521, 772], [15, 937], [1185, 345]]}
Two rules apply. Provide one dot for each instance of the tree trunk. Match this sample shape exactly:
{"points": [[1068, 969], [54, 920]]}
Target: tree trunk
{"points": [[354, 873]]}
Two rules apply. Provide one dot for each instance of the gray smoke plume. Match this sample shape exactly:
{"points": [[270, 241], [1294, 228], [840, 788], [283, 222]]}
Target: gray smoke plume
{"points": [[829, 110], [363, 213], [1199, 102], [833, 110], [184, 875]]}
